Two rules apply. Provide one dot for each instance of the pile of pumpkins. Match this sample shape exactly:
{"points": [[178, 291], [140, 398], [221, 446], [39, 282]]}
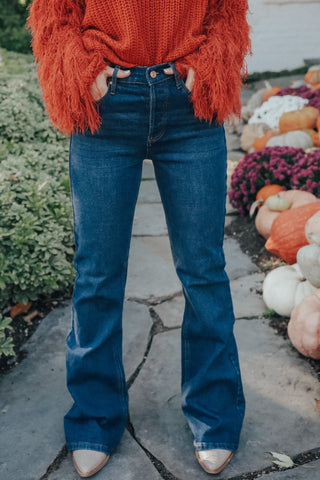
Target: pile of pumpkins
{"points": [[290, 222], [282, 120]]}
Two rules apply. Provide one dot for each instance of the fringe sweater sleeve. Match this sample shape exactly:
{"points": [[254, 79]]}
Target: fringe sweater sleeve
{"points": [[219, 61], [66, 69]]}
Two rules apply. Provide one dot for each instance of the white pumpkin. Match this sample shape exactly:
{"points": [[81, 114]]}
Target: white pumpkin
{"points": [[312, 228], [250, 133], [284, 288], [308, 258], [295, 138]]}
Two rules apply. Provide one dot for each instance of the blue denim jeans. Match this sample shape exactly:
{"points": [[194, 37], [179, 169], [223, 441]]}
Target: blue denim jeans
{"points": [[149, 115]]}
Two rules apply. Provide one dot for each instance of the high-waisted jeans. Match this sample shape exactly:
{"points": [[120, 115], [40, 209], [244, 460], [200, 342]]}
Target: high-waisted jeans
{"points": [[149, 115]]}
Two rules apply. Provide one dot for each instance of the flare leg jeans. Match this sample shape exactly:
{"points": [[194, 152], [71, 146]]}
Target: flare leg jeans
{"points": [[149, 115]]}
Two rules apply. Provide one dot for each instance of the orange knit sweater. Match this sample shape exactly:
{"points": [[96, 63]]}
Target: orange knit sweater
{"points": [[74, 40]]}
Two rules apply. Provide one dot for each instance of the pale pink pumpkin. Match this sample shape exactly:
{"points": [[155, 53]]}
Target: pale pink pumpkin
{"points": [[304, 326]]}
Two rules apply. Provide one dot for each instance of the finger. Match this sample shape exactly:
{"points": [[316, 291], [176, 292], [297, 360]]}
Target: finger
{"points": [[168, 71]]}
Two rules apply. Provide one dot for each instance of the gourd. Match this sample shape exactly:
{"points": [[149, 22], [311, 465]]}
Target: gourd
{"points": [[312, 227], [304, 326], [306, 117], [308, 258], [315, 137], [261, 142], [313, 75], [278, 203], [295, 139], [270, 92], [287, 232], [284, 288], [265, 217], [267, 191], [250, 133]]}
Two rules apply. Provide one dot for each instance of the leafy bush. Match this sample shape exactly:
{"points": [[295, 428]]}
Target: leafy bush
{"points": [[292, 168], [6, 342], [13, 34], [36, 232]]}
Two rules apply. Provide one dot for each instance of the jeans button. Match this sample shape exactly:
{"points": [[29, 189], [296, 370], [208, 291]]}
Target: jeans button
{"points": [[153, 74]]}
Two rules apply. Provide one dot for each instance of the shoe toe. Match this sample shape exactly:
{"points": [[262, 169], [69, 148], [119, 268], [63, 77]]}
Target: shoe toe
{"points": [[88, 462], [214, 460]]}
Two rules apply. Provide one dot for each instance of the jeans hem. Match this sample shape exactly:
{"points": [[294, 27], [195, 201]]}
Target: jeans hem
{"points": [[211, 445], [98, 447]]}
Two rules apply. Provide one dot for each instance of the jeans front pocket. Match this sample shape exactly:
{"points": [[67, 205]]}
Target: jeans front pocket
{"points": [[106, 95], [185, 88]]}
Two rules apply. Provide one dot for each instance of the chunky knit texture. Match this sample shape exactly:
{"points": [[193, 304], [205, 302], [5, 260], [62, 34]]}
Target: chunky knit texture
{"points": [[74, 40]]}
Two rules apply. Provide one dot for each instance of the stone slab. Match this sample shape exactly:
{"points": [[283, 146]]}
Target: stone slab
{"points": [[247, 297], [149, 219], [247, 301], [237, 263], [147, 169], [279, 387], [228, 220], [34, 397], [171, 311], [309, 471], [151, 272], [127, 462], [149, 192]]}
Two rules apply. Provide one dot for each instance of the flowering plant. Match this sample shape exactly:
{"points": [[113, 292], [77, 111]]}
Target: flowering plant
{"points": [[289, 167], [304, 92]]}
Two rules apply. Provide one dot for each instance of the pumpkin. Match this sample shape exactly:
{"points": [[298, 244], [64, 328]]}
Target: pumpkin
{"points": [[312, 227], [313, 76], [270, 92], [261, 142], [278, 203], [306, 117], [287, 231], [315, 137], [250, 133], [267, 191], [308, 258], [304, 326], [265, 217], [294, 138], [284, 288], [318, 123]]}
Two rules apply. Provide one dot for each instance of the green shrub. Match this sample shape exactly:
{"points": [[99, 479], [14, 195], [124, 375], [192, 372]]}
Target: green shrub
{"points": [[13, 34], [36, 232], [6, 342]]}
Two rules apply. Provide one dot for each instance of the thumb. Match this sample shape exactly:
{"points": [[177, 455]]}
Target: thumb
{"points": [[123, 73]]}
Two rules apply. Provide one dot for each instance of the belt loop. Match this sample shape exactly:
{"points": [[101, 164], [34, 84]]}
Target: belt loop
{"points": [[114, 80], [176, 75]]}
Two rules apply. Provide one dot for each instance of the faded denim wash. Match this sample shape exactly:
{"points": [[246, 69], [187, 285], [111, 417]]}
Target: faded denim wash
{"points": [[150, 116]]}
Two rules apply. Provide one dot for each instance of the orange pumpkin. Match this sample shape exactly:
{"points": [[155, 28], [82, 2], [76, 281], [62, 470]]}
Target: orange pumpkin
{"points": [[306, 117], [265, 217], [315, 137], [267, 191], [318, 123], [288, 231], [261, 142], [313, 76], [269, 93], [304, 326]]}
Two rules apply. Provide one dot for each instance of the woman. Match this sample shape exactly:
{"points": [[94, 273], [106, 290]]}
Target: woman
{"points": [[130, 80]]}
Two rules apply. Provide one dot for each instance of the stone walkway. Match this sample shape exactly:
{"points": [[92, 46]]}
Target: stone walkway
{"points": [[280, 386]]}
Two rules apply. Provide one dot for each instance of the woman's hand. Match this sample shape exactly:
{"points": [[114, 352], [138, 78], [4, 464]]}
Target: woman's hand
{"points": [[190, 77], [100, 85]]}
